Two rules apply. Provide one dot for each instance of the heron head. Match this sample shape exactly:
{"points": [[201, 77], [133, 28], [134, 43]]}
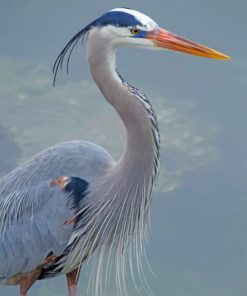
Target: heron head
{"points": [[127, 27]]}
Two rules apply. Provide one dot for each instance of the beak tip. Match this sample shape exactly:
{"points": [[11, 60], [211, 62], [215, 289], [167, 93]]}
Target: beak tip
{"points": [[225, 58], [228, 58]]}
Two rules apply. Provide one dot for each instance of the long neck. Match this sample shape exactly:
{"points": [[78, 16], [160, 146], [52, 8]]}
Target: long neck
{"points": [[118, 203], [141, 153]]}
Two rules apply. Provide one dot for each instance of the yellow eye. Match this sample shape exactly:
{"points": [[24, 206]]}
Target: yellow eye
{"points": [[135, 31]]}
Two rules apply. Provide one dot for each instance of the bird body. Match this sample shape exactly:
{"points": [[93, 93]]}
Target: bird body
{"points": [[73, 198]]}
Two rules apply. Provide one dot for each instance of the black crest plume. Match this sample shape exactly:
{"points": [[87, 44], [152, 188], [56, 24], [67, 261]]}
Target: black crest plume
{"points": [[68, 50]]}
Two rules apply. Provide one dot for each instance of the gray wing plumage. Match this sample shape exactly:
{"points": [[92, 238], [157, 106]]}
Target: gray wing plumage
{"points": [[75, 158], [35, 229], [33, 214]]}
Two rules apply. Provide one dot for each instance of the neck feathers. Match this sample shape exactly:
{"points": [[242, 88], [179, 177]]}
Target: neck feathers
{"points": [[118, 203], [133, 107], [130, 181]]}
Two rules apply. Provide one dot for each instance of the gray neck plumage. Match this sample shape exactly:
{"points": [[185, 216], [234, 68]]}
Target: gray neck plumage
{"points": [[142, 145], [130, 181], [116, 207], [118, 203]]}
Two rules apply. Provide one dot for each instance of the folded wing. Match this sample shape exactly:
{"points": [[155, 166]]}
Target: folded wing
{"points": [[33, 226]]}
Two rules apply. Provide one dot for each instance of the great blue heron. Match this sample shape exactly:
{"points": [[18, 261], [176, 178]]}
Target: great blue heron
{"points": [[72, 198]]}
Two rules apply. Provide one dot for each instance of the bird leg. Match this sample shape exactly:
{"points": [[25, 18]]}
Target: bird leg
{"points": [[72, 279], [27, 280]]}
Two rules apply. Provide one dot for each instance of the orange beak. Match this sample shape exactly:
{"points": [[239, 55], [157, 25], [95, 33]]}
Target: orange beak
{"points": [[170, 41]]}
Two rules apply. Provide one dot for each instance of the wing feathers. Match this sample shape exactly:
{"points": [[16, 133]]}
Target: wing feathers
{"points": [[32, 226]]}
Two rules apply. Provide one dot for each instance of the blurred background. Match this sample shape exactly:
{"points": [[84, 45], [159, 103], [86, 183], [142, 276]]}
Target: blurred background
{"points": [[198, 243]]}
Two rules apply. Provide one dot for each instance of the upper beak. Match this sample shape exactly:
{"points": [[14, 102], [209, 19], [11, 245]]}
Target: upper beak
{"points": [[168, 40]]}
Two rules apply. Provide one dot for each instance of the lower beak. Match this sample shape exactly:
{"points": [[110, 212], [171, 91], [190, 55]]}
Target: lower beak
{"points": [[170, 41]]}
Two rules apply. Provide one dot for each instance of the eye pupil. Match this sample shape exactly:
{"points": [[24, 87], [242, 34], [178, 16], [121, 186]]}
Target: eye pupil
{"points": [[135, 31]]}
